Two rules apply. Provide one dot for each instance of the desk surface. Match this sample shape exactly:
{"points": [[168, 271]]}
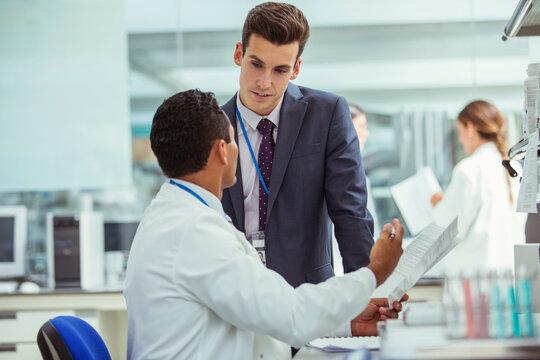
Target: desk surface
{"points": [[306, 353], [114, 301], [65, 299]]}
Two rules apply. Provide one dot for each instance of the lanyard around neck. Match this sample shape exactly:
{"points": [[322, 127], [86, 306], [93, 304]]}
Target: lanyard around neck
{"points": [[251, 151], [189, 191]]}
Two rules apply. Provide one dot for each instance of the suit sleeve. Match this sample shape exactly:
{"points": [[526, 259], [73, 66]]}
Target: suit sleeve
{"points": [[345, 190]]}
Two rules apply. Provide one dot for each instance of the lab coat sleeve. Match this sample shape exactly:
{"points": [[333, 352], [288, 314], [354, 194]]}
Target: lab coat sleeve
{"points": [[220, 272], [460, 199]]}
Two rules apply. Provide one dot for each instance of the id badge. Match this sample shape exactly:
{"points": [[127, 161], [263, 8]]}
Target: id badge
{"points": [[257, 239]]}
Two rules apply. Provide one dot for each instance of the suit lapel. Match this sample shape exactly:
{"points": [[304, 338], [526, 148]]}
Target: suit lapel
{"points": [[236, 192], [290, 122]]}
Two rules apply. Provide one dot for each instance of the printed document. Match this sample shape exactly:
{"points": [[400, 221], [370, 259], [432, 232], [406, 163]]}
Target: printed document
{"points": [[413, 199], [428, 248], [528, 188], [344, 344]]}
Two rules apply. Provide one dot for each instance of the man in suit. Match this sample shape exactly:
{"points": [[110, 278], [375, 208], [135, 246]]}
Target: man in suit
{"points": [[300, 163]]}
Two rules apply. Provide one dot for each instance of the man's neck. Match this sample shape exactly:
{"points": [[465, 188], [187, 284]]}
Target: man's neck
{"points": [[244, 104], [207, 181]]}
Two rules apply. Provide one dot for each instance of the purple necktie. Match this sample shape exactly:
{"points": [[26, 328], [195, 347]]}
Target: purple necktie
{"points": [[266, 154]]}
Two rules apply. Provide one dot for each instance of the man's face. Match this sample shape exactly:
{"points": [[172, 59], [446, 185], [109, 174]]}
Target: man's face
{"points": [[232, 156], [265, 72], [361, 127]]}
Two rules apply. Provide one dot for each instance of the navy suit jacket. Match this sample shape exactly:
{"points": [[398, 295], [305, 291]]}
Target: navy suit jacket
{"points": [[317, 175]]}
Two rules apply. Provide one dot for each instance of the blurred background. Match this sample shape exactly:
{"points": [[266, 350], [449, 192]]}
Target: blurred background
{"points": [[81, 80]]}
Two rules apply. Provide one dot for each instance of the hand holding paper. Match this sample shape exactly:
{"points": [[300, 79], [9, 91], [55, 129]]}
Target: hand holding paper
{"points": [[413, 198], [386, 252], [430, 246], [383, 258], [377, 310]]}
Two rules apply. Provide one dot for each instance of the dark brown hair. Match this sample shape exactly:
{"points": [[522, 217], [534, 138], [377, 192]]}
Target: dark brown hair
{"points": [[490, 124], [184, 130], [279, 23]]}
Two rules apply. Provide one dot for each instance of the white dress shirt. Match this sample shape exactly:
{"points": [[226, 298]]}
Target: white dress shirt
{"points": [[250, 178], [488, 223], [196, 289]]}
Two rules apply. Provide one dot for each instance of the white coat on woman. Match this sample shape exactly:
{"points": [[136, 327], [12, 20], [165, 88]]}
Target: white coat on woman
{"points": [[489, 225]]}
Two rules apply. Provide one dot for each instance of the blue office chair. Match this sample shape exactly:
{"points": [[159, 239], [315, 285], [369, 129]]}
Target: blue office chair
{"points": [[70, 338]]}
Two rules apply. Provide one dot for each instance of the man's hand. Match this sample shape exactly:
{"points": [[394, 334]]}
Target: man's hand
{"points": [[436, 198], [386, 252], [377, 310]]}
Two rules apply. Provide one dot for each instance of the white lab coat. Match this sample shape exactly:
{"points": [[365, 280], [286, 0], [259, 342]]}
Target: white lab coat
{"points": [[488, 223], [196, 289]]}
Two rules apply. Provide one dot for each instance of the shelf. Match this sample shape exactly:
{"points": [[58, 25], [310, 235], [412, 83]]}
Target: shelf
{"points": [[519, 149], [525, 20]]}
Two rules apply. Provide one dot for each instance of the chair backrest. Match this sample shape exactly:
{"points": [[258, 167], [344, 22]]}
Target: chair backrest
{"points": [[70, 338]]}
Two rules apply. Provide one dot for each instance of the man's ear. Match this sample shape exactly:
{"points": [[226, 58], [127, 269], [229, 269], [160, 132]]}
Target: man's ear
{"points": [[238, 54], [220, 149], [296, 69]]}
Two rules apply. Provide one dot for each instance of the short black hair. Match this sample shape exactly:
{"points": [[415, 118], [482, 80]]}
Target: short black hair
{"points": [[184, 130]]}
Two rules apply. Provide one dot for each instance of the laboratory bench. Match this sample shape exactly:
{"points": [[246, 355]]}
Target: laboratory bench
{"points": [[21, 316]]}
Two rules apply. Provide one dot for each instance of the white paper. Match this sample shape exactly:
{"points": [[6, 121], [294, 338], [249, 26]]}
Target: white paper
{"points": [[342, 344], [413, 199], [529, 183], [525, 119], [534, 123], [428, 248]]}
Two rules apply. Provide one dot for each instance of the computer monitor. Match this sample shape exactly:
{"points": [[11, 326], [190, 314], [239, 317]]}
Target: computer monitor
{"points": [[12, 241], [119, 235]]}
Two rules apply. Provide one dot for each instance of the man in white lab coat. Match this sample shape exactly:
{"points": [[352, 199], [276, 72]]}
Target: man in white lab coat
{"points": [[197, 289]]}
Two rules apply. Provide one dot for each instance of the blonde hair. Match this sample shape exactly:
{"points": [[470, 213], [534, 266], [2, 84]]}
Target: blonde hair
{"points": [[490, 124]]}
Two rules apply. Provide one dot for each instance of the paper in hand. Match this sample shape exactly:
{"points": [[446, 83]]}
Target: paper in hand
{"points": [[413, 199], [428, 248]]}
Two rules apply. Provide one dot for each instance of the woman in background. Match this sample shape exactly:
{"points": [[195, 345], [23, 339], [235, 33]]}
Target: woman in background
{"points": [[482, 194]]}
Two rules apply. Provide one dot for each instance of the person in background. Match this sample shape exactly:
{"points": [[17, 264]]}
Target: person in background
{"points": [[482, 195], [303, 142], [359, 120], [197, 289]]}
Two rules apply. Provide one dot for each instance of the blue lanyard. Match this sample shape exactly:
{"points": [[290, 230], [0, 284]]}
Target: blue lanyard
{"points": [[251, 151], [189, 191]]}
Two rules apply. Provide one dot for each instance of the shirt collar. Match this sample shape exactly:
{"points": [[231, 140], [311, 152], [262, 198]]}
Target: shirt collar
{"points": [[212, 201], [252, 119]]}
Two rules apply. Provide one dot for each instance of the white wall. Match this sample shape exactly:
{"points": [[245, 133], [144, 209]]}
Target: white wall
{"points": [[64, 113], [387, 56]]}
